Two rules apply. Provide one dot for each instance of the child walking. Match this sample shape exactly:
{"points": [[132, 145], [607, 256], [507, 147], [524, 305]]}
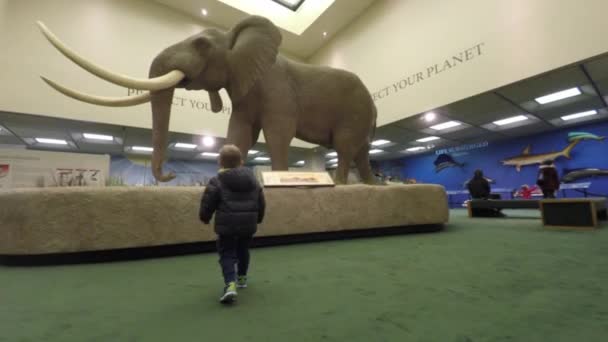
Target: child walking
{"points": [[237, 199]]}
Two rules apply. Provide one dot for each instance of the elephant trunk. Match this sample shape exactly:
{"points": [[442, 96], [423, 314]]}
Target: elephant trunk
{"points": [[161, 113]]}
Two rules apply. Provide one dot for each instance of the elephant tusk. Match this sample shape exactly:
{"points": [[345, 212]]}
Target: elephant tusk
{"points": [[165, 81], [125, 101]]}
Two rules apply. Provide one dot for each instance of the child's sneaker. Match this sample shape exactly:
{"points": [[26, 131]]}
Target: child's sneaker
{"points": [[229, 293], [241, 283]]}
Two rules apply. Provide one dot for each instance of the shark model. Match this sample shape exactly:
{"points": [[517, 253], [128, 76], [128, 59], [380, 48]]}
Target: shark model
{"points": [[572, 175], [525, 158]]}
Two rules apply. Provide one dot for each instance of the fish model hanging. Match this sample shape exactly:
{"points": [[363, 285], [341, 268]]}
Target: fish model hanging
{"points": [[444, 161], [574, 174], [525, 158], [574, 136]]}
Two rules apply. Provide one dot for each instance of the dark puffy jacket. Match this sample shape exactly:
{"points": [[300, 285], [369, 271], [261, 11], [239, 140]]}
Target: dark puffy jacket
{"points": [[548, 179], [479, 187], [237, 200]]}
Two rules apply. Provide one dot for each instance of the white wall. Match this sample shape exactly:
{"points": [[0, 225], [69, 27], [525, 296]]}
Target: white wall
{"points": [[30, 168], [122, 35], [397, 39]]}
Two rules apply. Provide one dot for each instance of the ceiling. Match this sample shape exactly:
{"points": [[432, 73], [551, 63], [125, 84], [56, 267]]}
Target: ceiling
{"points": [[221, 13], [476, 115]]}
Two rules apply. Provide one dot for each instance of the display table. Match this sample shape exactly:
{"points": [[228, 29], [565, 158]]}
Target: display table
{"points": [[573, 213], [65, 220]]}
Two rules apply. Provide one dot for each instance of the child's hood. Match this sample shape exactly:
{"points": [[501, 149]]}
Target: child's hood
{"points": [[240, 179]]}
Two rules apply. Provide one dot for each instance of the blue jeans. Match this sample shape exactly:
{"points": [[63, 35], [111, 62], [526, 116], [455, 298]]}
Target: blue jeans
{"points": [[233, 251]]}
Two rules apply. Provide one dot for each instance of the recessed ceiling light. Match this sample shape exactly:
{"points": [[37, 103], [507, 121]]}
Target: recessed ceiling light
{"points": [[92, 136], [375, 151], [252, 152], [332, 154], [185, 146], [430, 116], [142, 148], [300, 162], [414, 149], [335, 160], [579, 115], [324, 34], [427, 139], [560, 95], [261, 158], [380, 142], [51, 141], [510, 120], [208, 141], [446, 125], [210, 154], [204, 11]]}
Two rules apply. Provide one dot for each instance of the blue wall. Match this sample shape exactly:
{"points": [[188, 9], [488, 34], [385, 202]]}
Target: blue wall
{"points": [[587, 154]]}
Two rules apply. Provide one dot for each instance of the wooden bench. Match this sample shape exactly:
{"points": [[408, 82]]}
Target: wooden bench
{"points": [[501, 204], [573, 213]]}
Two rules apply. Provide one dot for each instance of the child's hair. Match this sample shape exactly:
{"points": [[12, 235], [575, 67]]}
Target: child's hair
{"points": [[230, 157]]}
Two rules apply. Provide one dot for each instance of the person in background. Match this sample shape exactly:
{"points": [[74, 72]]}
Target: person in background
{"points": [[547, 179], [479, 188], [237, 199]]}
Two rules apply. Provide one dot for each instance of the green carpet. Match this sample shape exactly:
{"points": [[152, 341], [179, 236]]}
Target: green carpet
{"points": [[479, 280]]}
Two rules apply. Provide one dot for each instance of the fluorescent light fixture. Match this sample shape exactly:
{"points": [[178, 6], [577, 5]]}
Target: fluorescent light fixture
{"points": [[92, 136], [300, 162], [185, 146], [208, 141], [51, 141], [579, 115], [427, 139], [510, 120], [375, 151], [560, 95], [204, 12], [210, 154], [142, 148], [335, 160], [380, 142], [261, 158], [252, 152], [430, 116], [331, 154], [414, 149], [446, 125]]}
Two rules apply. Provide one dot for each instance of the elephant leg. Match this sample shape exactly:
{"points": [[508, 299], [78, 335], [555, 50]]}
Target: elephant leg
{"points": [[346, 153], [278, 145], [242, 134], [362, 162]]}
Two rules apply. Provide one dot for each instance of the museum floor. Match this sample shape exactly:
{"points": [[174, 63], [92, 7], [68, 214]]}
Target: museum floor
{"points": [[479, 280]]}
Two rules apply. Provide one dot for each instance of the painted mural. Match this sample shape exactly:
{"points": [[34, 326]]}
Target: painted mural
{"points": [[580, 155], [136, 171]]}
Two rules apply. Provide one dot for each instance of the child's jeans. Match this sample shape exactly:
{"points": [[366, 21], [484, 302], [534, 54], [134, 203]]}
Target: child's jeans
{"points": [[233, 250]]}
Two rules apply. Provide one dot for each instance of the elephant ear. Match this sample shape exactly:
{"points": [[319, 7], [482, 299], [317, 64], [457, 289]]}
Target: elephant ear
{"points": [[254, 45]]}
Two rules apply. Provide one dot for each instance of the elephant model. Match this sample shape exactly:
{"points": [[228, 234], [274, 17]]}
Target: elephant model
{"points": [[269, 93]]}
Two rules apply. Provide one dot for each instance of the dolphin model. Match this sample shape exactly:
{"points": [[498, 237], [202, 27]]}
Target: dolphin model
{"points": [[572, 175], [525, 158], [573, 136]]}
